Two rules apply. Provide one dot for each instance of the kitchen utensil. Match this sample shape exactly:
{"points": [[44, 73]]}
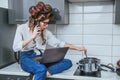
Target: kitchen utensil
{"points": [[85, 53], [118, 71], [111, 69], [89, 65]]}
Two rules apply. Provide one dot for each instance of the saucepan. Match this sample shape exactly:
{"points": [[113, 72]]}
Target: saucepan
{"points": [[115, 69], [91, 65]]}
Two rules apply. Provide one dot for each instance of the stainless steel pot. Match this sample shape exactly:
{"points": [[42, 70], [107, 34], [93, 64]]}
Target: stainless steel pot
{"points": [[89, 65]]}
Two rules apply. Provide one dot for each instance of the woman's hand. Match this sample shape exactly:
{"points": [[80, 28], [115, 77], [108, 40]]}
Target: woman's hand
{"points": [[36, 32], [82, 49], [34, 35], [71, 46]]}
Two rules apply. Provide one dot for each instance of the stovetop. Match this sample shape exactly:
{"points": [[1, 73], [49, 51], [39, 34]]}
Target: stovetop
{"points": [[78, 72]]}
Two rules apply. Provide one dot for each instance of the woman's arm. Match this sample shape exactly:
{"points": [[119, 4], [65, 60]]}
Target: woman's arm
{"points": [[27, 41], [71, 46], [34, 35], [19, 43]]}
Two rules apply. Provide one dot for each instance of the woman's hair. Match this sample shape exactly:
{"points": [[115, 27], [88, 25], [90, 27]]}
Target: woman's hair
{"points": [[38, 13]]}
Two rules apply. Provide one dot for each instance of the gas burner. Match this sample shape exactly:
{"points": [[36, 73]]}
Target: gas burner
{"points": [[78, 72]]}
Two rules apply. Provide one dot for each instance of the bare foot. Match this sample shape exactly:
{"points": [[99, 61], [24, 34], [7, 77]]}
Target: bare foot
{"points": [[48, 74]]}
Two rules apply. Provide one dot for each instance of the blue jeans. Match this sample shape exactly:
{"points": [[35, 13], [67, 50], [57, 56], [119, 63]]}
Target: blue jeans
{"points": [[39, 70]]}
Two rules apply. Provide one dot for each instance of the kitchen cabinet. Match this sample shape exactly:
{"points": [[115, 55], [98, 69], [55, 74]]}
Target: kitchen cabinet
{"points": [[19, 10], [3, 16], [117, 12], [60, 10]]}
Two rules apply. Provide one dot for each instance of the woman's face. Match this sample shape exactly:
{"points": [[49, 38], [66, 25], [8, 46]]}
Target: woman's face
{"points": [[44, 24]]}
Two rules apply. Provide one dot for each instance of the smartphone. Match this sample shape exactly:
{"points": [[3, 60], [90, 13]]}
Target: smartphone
{"points": [[37, 24]]}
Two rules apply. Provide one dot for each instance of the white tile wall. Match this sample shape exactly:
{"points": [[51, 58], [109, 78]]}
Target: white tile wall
{"points": [[116, 51], [94, 18], [116, 29], [92, 7], [96, 50], [76, 18], [104, 59], [76, 8], [98, 39], [4, 3], [98, 29], [73, 39], [116, 40], [74, 52], [91, 25], [69, 29], [74, 58]]}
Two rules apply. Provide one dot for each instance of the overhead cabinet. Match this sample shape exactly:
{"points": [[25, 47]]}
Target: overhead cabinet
{"points": [[117, 12], [60, 9], [19, 10]]}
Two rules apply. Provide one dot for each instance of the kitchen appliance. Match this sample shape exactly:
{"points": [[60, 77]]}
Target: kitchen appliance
{"points": [[118, 71], [13, 77], [91, 66], [88, 67]]}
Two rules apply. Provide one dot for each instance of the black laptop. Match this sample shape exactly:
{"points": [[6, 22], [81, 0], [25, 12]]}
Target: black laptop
{"points": [[54, 55]]}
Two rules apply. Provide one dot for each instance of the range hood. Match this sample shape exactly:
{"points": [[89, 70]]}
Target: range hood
{"points": [[87, 0], [117, 12]]}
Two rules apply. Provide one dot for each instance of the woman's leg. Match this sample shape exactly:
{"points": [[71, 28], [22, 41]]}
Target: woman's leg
{"points": [[37, 69], [60, 66]]}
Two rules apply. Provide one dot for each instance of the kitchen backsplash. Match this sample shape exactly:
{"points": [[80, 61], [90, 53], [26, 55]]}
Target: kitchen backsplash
{"points": [[4, 3], [91, 25]]}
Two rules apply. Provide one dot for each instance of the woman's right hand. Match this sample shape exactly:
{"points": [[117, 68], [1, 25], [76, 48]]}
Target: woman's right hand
{"points": [[34, 35], [36, 32]]}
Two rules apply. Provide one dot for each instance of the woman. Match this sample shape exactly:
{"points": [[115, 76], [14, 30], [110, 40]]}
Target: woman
{"points": [[31, 39]]}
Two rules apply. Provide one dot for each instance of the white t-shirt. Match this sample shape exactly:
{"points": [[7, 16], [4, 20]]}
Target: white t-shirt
{"points": [[23, 32]]}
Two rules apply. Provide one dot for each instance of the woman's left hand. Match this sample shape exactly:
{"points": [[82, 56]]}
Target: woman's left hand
{"points": [[71, 46], [82, 49]]}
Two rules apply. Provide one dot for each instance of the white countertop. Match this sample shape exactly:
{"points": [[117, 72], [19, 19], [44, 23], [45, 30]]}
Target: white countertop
{"points": [[15, 69]]}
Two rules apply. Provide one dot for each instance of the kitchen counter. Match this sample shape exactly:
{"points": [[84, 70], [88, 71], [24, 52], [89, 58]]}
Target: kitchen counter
{"points": [[15, 69]]}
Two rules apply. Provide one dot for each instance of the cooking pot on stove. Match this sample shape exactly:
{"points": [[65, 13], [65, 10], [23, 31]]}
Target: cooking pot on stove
{"points": [[89, 65]]}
